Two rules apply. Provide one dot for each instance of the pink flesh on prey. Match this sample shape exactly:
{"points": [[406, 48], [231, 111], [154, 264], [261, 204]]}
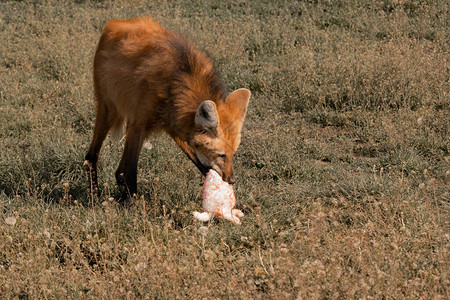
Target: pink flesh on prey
{"points": [[218, 199]]}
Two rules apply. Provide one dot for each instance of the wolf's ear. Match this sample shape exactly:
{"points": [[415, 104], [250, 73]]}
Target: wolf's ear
{"points": [[239, 101], [206, 116]]}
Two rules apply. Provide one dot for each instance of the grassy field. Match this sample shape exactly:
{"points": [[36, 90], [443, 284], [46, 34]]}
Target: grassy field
{"points": [[343, 171]]}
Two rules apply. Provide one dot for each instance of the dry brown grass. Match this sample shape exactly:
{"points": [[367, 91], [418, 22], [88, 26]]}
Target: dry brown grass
{"points": [[343, 170]]}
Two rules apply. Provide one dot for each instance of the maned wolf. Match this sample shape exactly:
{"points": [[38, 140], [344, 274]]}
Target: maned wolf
{"points": [[151, 79]]}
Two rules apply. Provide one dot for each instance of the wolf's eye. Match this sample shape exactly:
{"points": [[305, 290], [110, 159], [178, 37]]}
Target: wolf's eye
{"points": [[221, 155]]}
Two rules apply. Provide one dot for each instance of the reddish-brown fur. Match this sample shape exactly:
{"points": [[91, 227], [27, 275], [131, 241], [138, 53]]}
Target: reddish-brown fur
{"points": [[152, 79]]}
